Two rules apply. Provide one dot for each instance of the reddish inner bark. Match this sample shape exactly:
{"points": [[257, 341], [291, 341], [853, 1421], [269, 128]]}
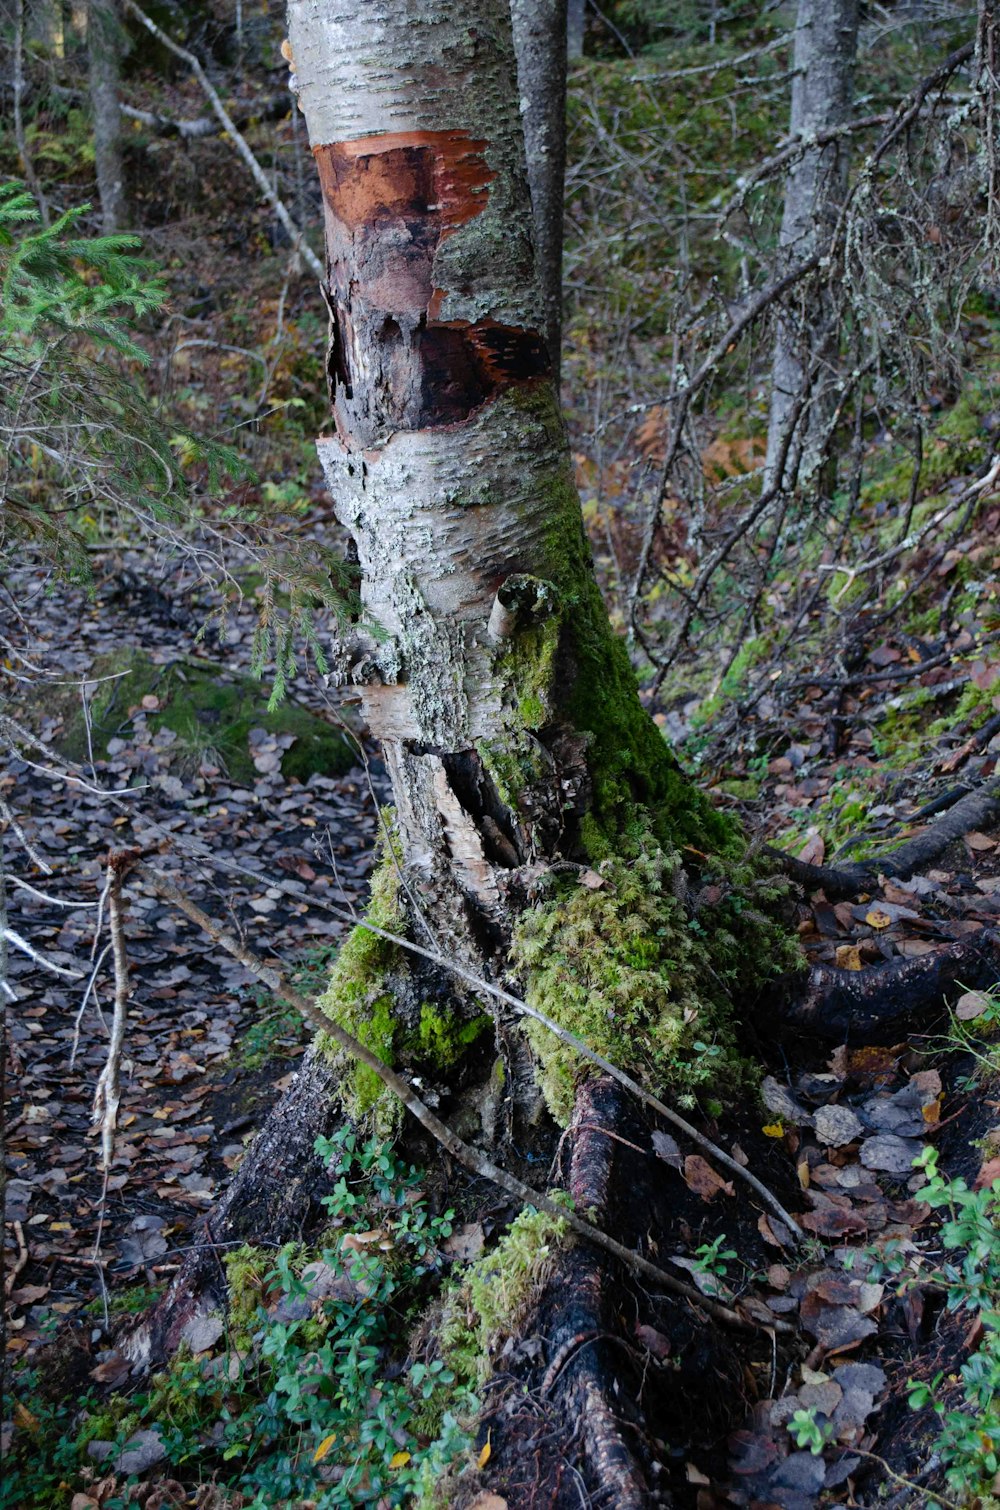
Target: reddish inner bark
{"points": [[390, 201]]}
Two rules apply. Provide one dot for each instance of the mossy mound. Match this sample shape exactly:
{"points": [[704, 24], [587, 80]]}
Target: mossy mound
{"points": [[374, 995], [210, 711], [647, 975]]}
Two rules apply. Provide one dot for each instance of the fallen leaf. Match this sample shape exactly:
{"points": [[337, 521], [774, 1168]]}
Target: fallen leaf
{"points": [[700, 1177], [773, 1130], [666, 1148], [979, 841], [876, 918], [484, 1454], [400, 1459], [989, 1171], [971, 1004], [465, 1242], [653, 1341], [848, 957], [889, 1153], [836, 1126], [324, 1448]]}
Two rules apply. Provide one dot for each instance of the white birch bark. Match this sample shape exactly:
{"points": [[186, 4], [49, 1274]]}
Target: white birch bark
{"points": [[507, 710]]}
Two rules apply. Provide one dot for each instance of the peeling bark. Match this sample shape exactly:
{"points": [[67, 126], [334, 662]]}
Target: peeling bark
{"points": [[448, 463]]}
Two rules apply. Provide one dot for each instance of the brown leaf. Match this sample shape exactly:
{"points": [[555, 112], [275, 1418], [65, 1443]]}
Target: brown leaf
{"points": [[653, 1341], [979, 841], [813, 851], [700, 1177], [989, 1172], [774, 1232], [465, 1242], [833, 1221]]}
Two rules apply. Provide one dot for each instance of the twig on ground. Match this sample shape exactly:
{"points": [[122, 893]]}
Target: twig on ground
{"points": [[107, 1093]]}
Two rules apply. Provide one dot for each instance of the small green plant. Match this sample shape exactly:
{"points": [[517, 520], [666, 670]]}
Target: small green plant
{"points": [[808, 1430], [712, 1258], [314, 1398], [968, 1440]]}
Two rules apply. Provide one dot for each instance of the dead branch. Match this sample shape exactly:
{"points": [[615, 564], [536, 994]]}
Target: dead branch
{"points": [[856, 1006], [260, 178], [107, 1093]]}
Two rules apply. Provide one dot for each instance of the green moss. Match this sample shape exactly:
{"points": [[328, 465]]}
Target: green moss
{"points": [[495, 1293], [567, 666], [645, 977], [247, 1269], [442, 1037], [370, 993], [210, 714]]}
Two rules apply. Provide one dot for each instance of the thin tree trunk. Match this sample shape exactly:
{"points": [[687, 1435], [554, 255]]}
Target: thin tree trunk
{"points": [[31, 177], [540, 44], [576, 28], [806, 346], [104, 39]]}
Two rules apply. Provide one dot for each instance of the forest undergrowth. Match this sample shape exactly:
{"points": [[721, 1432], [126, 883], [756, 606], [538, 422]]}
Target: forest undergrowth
{"points": [[395, 1355]]}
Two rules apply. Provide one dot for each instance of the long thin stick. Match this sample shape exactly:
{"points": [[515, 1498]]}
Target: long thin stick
{"points": [[487, 987], [107, 1093], [472, 1160]]}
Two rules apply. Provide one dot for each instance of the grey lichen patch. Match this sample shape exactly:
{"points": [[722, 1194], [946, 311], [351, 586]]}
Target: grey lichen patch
{"points": [[647, 975]]}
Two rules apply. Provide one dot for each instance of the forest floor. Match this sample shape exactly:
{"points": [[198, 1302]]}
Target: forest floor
{"points": [[207, 1052]]}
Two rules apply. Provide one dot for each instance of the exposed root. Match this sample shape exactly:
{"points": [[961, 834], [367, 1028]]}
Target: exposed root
{"points": [[857, 1005], [977, 810]]}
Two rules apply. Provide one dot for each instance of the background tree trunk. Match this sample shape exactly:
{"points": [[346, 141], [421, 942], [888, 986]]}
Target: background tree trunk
{"points": [[826, 37], [104, 40], [540, 41], [576, 28]]}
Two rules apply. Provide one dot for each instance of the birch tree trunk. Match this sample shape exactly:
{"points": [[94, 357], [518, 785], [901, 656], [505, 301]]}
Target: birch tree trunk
{"points": [[540, 43], [104, 39], [506, 708], [542, 825], [826, 36]]}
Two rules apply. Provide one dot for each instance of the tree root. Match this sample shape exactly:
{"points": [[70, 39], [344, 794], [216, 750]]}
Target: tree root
{"points": [[597, 1392], [976, 810], [268, 1200], [857, 1006]]}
